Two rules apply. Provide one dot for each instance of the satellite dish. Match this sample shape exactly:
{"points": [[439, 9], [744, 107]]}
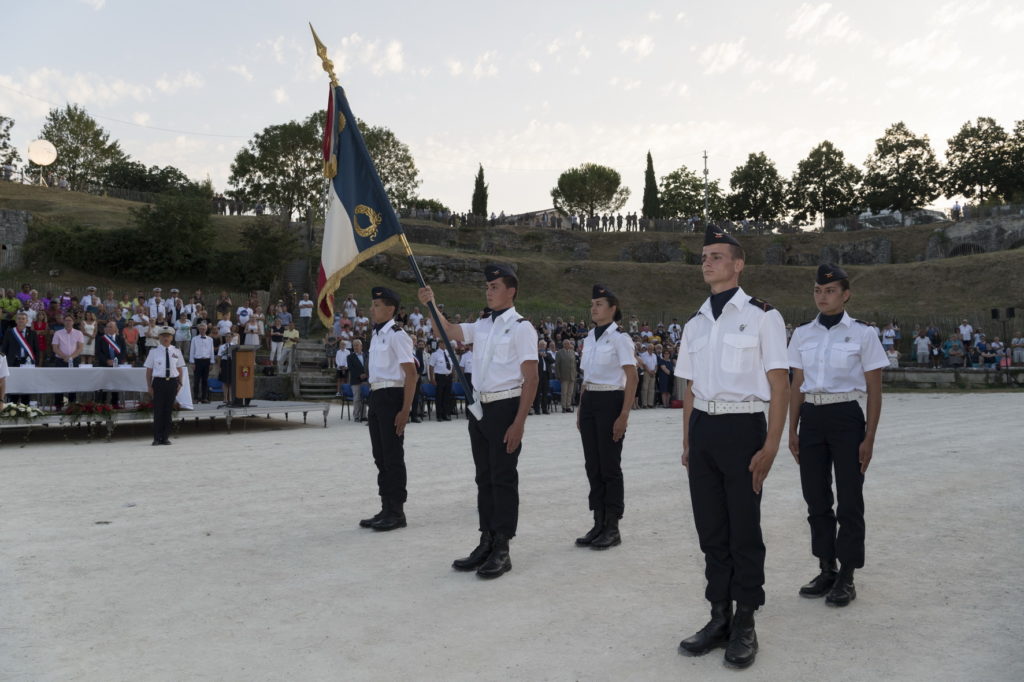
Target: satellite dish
{"points": [[42, 153]]}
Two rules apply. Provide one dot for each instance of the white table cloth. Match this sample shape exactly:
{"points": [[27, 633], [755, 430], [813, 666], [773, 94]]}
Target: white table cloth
{"points": [[82, 379]]}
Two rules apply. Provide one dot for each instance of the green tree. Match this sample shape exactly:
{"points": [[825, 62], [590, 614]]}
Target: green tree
{"points": [[652, 206], [282, 167], [978, 161], [84, 149], [256, 266], [590, 189], [1015, 154], [823, 184], [174, 236], [130, 174], [682, 196], [479, 204], [8, 152], [394, 163], [758, 191], [902, 173]]}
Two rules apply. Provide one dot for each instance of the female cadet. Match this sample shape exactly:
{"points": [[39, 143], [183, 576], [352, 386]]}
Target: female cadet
{"points": [[835, 360], [609, 375]]}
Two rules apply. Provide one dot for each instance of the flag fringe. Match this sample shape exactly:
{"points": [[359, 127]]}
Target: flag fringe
{"points": [[333, 282]]}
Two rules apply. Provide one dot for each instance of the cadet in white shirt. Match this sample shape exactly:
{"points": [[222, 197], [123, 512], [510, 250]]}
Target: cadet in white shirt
{"points": [[200, 354], [609, 375], [392, 375], [439, 373], [733, 355], [835, 359], [505, 381], [164, 367]]}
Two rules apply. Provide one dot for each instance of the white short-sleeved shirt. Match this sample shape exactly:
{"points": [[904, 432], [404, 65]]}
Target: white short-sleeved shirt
{"points": [[4, 370], [515, 344], [728, 359], [603, 359], [835, 360], [466, 361], [390, 347], [156, 360], [341, 357], [922, 344], [966, 331], [416, 320], [649, 360], [244, 313], [440, 362], [306, 308]]}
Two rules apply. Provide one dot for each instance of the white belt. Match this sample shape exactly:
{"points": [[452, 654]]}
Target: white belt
{"points": [[831, 398], [723, 407], [500, 395], [602, 387], [377, 385]]}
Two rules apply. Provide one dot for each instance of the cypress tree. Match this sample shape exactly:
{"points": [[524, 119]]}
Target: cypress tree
{"points": [[652, 206], [480, 194]]}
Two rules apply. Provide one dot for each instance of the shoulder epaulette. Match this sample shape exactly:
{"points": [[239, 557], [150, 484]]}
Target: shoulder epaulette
{"points": [[522, 319], [866, 324], [761, 303], [693, 316], [396, 327]]}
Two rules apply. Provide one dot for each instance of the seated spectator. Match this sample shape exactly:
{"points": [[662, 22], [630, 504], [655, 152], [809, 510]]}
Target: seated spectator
{"points": [[987, 358], [894, 357], [922, 348], [953, 351], [1017, 348]]}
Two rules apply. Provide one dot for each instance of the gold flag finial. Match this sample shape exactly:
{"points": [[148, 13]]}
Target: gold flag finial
{"points": [[321, 51]]}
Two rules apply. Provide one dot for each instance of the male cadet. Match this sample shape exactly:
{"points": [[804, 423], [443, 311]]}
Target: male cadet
{"points": [[440, 373], [734, 358], [504, 384], [392, 377]]}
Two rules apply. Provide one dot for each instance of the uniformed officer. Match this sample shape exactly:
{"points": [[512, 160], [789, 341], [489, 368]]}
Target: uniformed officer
{"points": [[835, 360], [609, 374], [392, 376], [165, 366], [504, 385], [734, 357], [440, 373]]}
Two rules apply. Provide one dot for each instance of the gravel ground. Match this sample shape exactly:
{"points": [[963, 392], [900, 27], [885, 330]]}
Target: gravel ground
{"points": [[238, 557]]}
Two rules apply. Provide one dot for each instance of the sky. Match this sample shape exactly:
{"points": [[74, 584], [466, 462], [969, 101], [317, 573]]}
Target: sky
{"points": [[528, 89]]}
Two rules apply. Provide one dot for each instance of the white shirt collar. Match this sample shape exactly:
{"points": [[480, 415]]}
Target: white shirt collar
{"points": [[738, 300]]}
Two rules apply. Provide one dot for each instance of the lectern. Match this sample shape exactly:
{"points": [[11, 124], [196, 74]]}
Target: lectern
{"points": [[245, 373]]}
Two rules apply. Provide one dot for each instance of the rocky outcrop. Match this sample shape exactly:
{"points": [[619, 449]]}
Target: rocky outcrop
{"points": [[976, 236], [876, 251], [13, 232], [659, 251], [446, 270]]}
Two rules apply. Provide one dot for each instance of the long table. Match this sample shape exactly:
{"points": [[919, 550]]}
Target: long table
{"points": [[83, 379]]}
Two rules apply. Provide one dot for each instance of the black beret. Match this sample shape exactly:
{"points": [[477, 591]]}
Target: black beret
{"points": [[384, 292], [714, 235], [493, 271], [601, 291], [830, 272]]}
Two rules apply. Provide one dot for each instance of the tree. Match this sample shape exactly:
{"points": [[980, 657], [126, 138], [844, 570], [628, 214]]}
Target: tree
{"points": [[823, 184], [173, 236], [394, 162], [682, 196], [978, 161], [651, 207], [8, 152], [129, 174], [758, 191], [256, 266], [902, 173], [479, 204], [84, 149], [589, 189], [1015, 153]]}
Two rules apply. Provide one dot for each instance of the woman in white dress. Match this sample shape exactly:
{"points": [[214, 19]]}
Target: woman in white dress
{"points": [[89, 332]]}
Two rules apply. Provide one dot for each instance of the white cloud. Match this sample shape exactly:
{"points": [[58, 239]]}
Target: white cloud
{"points": [[242, 70], [653, 15], [95, 4], [721, 57], [276, 47], [454, 67], [185, 79], [554, 46], [672, 88], [280, 96], [799, 68], [140, 117], [680, 16], [807, 17], [830, 86], [485, 67], [838, 29], [641, 47], [1008, 19], [584, 52], [955, 13], [929, 53], [815, 22], [393, 59], [534, 66]]}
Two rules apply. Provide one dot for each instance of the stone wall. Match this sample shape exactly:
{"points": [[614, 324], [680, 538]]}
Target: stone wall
{"points": [[872, 251], [13, 232], [976, 236]]}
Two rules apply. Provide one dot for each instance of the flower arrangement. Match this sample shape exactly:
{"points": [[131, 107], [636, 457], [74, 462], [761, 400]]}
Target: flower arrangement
{"points": [[17, 411], [74, 413]]}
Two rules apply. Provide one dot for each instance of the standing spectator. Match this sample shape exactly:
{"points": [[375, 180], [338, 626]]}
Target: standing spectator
{"points": [[291, 339], [305, 314], [284, 318], [67, 347], [894, 357], [650, 368], [130, 333], [243, 314], [349, 307], [277, 345], [110, 352], [440, 373], [252, 332], [466, 363], [361, 323], [1017, 348], [183, 333], [966, 334], [227, 360], [544, 367], [356, 378], [888, 337], [20, 347], [223, 307], [565, 371], [341, 367], [416, 319], [89, 330], [666, 377], [42, 338], [200, 356], [922, 348]]}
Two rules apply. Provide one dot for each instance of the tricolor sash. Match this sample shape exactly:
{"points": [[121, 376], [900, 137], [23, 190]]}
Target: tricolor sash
{"points": [[25, 345], [113, 346]]}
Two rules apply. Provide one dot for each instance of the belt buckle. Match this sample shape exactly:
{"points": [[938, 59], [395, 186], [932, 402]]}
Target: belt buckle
{"points": [[711, 407], [817, 399]]}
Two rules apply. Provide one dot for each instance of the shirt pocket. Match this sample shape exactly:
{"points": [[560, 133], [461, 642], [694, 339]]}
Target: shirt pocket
{"points": [[504, 349], [738, 353], [844, 355], [808, 355]]}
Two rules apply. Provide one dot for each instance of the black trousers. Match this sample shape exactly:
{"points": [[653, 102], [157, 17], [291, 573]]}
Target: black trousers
{"points": [[164, 393], [726, 511], [602, 456], [443, 398], [497, 476], [201, 380], [830, 437], [388, 447], [543, 397]]}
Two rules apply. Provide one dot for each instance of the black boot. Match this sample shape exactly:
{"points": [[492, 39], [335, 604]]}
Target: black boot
{"points": [[742, 639], [822, 583], [498, 562], [393, 517], [368, 523], [843, 592], [478, 556], [593, 532], [609, 537], [712, 635]]}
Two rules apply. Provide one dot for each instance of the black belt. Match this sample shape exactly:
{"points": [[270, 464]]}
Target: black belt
{"points": [[165, 378]]}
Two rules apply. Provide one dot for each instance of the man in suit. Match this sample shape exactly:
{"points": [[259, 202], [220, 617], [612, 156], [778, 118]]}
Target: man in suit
{"points": [[110, 352], [565, 372], [357, 375], [544, 366], [19, 345]]}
